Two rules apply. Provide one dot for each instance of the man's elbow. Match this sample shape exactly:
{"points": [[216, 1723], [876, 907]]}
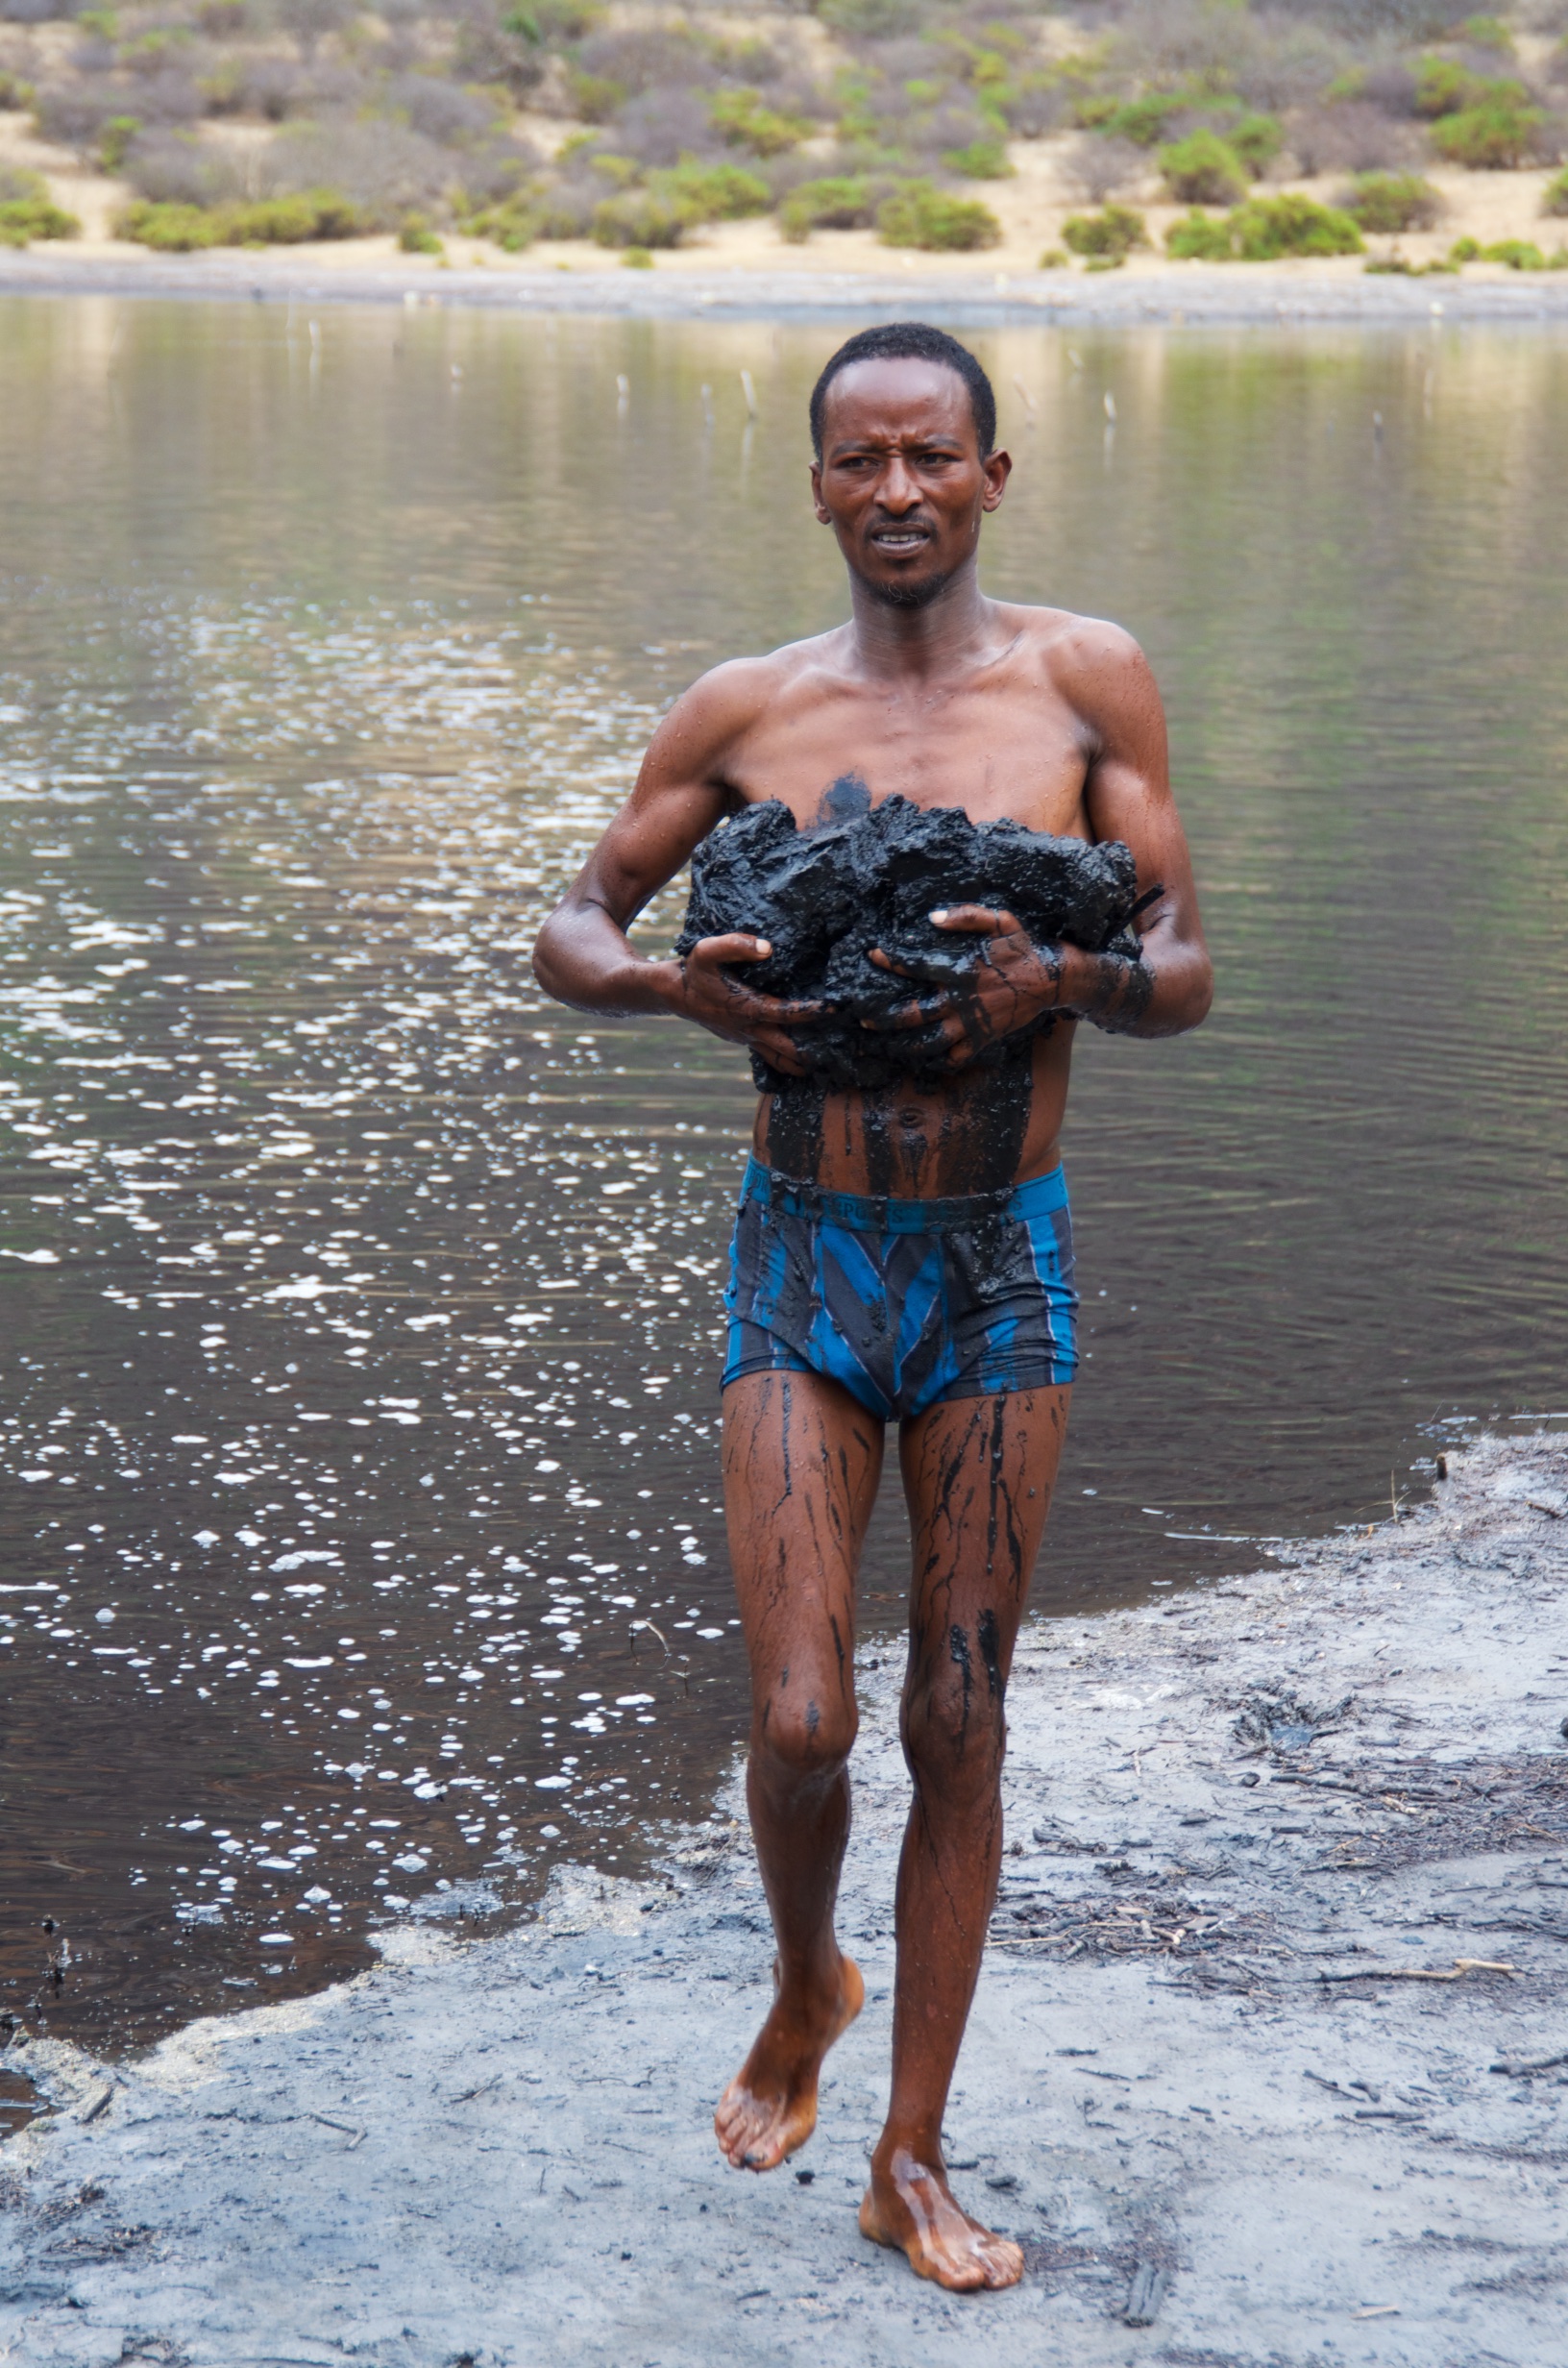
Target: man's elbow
{"points": [[1198, 1002], [543, 962]]}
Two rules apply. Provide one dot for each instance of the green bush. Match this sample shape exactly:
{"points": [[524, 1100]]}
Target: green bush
{"points": [[842, 201], [1263, 231], [1203, 170], [1519, 254], [711, 192], [15, 93], [637, 259], [28, 212], [1200, 239], [1445, 87], [1266, 227], [1256, 140], [1143, 120], [1054, 258], [510, 226], [983, 160], [1465, 251], [417, 237], [1555, 200], [747, 121], [595, 97], [1498, 136], [921, 215], [640, 218], [115, 139], [1116, 230], [1392, 202], [268, 222]]}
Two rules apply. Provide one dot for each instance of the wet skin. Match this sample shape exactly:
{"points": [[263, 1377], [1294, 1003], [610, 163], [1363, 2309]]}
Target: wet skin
{"points": [[937, 692]]}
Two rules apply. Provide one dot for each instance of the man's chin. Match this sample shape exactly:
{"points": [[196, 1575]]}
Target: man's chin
{"points": [[905, 591]]}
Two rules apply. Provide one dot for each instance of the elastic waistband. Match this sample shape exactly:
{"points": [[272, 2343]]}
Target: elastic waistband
{"points": [[890, 1212]]}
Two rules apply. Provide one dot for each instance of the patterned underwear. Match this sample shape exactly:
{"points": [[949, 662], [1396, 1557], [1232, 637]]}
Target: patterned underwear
{"points": [[906, 1303]]}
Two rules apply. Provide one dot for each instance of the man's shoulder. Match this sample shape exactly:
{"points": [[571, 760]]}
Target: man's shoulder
{"points": [[1067, 646], [736, 691]]}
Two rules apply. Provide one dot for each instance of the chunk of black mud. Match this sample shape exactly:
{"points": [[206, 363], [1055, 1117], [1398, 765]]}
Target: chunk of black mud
{"points": [[825, 895]]}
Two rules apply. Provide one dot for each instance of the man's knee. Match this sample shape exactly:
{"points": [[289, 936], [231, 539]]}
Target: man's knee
{"points": [[801, 1738], [954, 1721]]}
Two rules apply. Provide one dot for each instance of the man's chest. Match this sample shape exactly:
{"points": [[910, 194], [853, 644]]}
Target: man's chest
{"points": [[992, 752]]}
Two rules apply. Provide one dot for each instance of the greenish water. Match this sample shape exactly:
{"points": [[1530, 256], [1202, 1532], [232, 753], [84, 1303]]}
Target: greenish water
{"points": [[362, 1310]]}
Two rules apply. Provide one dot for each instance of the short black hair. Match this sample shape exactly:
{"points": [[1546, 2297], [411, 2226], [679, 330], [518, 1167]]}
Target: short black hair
{"points": [[910, 341]]}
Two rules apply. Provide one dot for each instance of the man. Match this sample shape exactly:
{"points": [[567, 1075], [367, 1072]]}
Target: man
{"points": [[947, 698]]}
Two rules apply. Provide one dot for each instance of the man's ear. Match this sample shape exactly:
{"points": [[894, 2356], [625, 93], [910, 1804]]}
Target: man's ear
{"points": [[818, 503], [999, 469]]}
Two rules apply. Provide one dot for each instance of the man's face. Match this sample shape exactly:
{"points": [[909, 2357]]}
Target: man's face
{"points": [[901, 481]]}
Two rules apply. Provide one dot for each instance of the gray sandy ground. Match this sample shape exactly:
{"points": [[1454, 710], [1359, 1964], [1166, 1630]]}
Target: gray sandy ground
{"points": [[499, 2150], [1193, 295]]}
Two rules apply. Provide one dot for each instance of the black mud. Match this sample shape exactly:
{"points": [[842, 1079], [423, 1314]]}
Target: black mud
{"points": [[864, 876]]}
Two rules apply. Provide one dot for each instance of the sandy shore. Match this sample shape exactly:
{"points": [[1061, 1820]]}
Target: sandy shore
{"points": [[1201, 2073], [703, 284]]}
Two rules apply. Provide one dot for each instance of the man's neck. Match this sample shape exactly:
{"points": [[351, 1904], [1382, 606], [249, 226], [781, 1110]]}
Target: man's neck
{"points": [[918, 644]]}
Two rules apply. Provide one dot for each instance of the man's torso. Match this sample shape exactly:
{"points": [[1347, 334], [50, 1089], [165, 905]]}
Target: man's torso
{"points": [[1001, 739]]}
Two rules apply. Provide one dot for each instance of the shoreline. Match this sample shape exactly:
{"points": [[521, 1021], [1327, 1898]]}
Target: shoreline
{"points": [[1184, 295], [1267, 2048]]}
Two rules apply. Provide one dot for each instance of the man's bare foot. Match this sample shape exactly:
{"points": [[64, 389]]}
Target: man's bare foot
{"points": [[770, 2108], [910, 2207]]}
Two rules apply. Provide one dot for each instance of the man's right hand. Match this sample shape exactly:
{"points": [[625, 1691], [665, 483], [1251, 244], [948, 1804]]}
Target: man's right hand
{"points": [[702, 990]]}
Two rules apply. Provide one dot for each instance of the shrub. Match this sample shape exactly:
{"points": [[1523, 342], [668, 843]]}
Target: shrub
{"points": [[1256, 140], [639, 218], [1392, 202], [711, 192], [745, 120], [980, 159], [1102, 166], [595, 97], [1203, 170], [175, 169], [1465, 251], [1445, 87], [1263, 231], [416, 236], [1143, 120], [1519, 254], [637, 259], [1115, 230], [266, 222], [511, 226], [842, 201], [15, 93], [1498, 136], [1266, 227], [921, 215], [1054, 258], [28, 212], [1555, 200], [1200, 239], [119, 138]]}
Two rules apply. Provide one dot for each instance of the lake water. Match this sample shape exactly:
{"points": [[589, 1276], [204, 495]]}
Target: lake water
{"points": [[361, 1537]]}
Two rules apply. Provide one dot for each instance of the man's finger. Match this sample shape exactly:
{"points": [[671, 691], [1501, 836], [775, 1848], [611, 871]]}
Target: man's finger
{"points": [[931, 1014], [976, 921], [738, 946]]}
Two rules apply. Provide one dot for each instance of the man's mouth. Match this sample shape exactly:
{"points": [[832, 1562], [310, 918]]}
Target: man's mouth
{"points": [[897, 542]]}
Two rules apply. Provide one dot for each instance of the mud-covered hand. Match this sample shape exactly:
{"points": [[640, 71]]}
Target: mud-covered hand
{"points": [[706, 992], [1012, 984]]}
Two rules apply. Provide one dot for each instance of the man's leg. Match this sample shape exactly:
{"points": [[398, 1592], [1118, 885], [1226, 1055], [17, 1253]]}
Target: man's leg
{"points": [[802, 1460], [978, 1473]]}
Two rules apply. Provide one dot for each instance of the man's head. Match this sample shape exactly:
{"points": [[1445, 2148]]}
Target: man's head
{"points": [[904, 424]]}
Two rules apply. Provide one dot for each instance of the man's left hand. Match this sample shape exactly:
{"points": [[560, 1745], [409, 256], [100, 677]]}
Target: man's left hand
{"points": [[1012, 984]]}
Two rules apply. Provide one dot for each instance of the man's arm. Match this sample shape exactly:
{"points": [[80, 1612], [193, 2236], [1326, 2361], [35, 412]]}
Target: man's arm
{"points": [[582, 955], [1128, 796]]}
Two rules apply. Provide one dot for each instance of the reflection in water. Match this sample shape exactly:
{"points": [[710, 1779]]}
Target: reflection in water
{"points": [[363, 1543]]}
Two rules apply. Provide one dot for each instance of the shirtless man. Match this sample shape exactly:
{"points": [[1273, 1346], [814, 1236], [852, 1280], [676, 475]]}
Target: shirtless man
{"points": [[935, 692]]}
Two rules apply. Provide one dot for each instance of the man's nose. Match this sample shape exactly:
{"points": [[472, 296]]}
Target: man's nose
{"points": [[898, 489]]}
